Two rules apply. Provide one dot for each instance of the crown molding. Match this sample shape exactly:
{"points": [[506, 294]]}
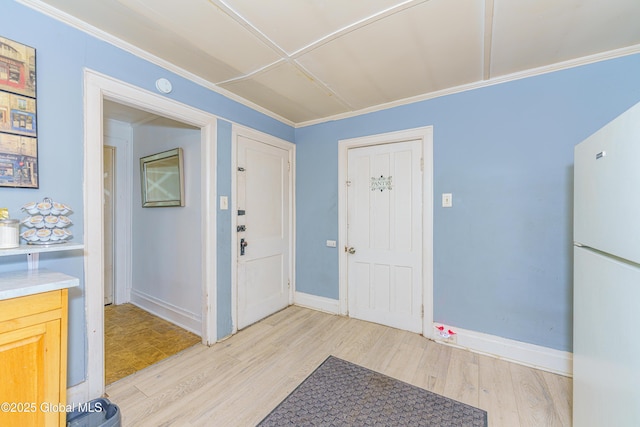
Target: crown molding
{"points": [[134, 50], [599, 57], [130, 48]]}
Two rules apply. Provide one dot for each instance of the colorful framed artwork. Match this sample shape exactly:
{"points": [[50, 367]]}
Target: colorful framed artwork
{"points": [[18, 130]]}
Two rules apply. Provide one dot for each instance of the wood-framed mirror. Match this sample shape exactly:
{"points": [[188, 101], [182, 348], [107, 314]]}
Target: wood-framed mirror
{"points": [[162, 177]]}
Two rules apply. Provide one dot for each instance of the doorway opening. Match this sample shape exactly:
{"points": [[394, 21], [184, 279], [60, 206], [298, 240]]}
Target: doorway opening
{"points": [[98, 89], [152, 310]]}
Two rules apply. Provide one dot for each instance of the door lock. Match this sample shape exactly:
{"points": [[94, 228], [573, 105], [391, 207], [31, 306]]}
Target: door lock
{"points": [[241, 228], [243, 244], [350, 250]]}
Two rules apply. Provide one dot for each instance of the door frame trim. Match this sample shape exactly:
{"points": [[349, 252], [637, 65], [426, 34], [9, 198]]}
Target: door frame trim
{"points": [[115, 293], [123, 229], [97, 88], [237, 131], [425, 134]]}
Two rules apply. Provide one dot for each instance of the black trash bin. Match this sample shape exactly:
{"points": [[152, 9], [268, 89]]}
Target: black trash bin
{"points": [[96, 413]]}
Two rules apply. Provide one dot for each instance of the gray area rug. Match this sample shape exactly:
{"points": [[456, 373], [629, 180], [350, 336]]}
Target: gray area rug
{"points": [[339, 393]]}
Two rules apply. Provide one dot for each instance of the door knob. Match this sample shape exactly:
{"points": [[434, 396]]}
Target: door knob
{"points": [[243, 244], [350, 250]]}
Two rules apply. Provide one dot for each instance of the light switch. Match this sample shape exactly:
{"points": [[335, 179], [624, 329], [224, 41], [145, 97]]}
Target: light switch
{"points": [[224, 203], [447, 200], [331, 243]]}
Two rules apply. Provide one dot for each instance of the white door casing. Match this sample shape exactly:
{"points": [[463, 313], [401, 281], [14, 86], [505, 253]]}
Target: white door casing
{"points": [[390, 230], [263, 254], [119, 135], [384, 234], [109, 156], [97, 88]]}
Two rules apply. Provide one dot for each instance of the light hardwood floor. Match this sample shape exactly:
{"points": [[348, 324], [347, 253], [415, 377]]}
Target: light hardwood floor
{"points": [[240, 380]]}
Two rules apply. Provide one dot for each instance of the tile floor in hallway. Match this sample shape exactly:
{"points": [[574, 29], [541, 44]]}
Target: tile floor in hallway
{"points": [[135, 339]]}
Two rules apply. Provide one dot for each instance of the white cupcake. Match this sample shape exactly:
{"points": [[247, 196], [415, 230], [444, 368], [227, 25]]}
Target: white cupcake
{"points": [[44, 234], [57, 234], [30, 235], [63, 221], [30, 208], [50, 221], [56, 208], [36, 221], [44, 208]]}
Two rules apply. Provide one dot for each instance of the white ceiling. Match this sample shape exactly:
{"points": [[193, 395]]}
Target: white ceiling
{"points": [[124, 113], [308, 60]]}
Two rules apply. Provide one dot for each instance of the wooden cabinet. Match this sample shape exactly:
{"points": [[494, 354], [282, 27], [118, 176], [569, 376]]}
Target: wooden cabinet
{"points": [[33, 359]]}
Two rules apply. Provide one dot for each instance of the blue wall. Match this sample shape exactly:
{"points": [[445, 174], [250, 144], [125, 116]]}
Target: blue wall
{"points": [[502, 254], [62, 53], [225, 325]]}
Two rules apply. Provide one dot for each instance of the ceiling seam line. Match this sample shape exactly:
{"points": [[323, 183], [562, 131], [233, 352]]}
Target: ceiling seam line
{"points": [[254, 72], [489, 15], [356, 26], [285, 56], [320, 83], [315, 80], [564, 65], [233, 14]]}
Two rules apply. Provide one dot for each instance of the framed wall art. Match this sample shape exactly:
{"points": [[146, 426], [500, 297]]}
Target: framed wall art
{"points": [[18, 130], [162, 179]]}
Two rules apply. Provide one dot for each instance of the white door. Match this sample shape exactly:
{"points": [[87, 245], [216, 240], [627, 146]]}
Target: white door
{"points": [[384, 234], [109, 187], [263, 202]]}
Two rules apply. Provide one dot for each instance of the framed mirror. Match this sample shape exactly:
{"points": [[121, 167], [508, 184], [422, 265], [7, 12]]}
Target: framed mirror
{"points": [[162, 177]]}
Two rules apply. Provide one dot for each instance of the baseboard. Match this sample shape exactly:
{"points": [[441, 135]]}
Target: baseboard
{"points": [[328, 305], [535, 356], [174, 314]]}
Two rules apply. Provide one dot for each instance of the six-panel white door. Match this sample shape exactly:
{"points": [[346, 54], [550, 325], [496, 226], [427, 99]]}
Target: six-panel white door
{"points": [[263, 209], [384, 234]]}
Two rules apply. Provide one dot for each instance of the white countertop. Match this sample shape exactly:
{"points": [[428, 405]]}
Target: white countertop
{"points": [[15, 284]]}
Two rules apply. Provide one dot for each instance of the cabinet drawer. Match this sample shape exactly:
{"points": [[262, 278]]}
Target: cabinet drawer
{"points": [[31, 304]]}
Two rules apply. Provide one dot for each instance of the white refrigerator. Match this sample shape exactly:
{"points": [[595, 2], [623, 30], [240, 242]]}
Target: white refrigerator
{"points": [[606, 291]]}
